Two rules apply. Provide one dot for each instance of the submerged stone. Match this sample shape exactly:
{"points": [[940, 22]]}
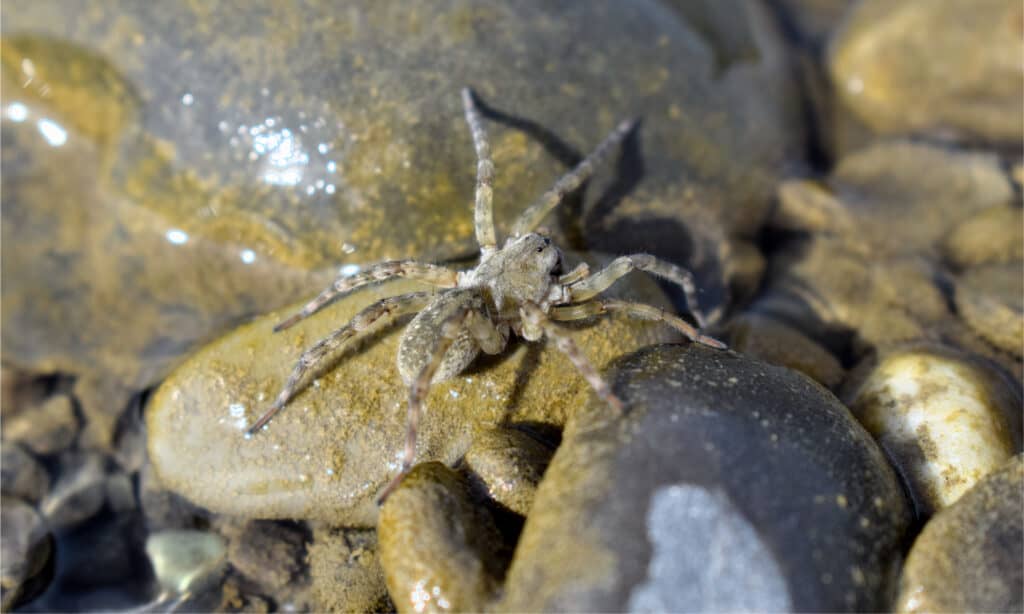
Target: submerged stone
{"points": [[891, 61], [970, 556]]}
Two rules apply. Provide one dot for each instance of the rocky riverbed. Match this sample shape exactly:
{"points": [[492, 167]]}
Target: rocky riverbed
{"points": [[843, 178]]}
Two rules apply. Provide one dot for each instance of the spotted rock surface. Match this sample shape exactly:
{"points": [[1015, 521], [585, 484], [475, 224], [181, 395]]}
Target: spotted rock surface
{"points": [[171, 170], [729, 484], [340, 440], [945, 420], [970, 557]]}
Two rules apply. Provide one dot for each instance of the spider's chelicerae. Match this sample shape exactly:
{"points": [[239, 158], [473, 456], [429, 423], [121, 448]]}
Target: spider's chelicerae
{"points": [[519, 288]]}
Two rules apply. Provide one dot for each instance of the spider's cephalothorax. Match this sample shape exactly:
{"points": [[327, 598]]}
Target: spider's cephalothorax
{"points": [[519, 288]]}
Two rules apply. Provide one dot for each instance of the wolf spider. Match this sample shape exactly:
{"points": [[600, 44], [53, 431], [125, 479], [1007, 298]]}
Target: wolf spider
{"points": [[519, 288]]}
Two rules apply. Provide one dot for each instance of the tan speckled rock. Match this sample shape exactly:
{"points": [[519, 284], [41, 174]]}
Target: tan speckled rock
{"points": [[509, 464], [440, 552], [945, 421], [773, 341], [336, 444], [892, 61], [991, 300], [991, 236], [970, 556], [344, 565]]}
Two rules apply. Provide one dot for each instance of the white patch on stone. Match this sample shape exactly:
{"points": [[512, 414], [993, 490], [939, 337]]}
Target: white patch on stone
{"points": [[706, 557]]}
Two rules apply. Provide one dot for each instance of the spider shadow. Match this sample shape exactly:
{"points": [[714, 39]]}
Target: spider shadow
{"points": [[572, 219]]}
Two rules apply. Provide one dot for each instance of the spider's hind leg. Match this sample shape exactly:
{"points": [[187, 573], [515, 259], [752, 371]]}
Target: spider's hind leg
{"points": [[385, 310], [450, 331], [483, 213], [533, 215]]}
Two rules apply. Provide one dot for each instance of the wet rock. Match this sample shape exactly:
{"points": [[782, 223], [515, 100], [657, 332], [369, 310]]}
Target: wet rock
{"points": [[718, 458], [135, 156], [814, 20], [508, 464], [891, 62], [897, 197], [868, 277], [79, 492], [270, 554], [970, 556], [773, 341], [944, 420], [27, 547], [991, 300], [338, 442], [186, 561], [344, 565], [46, 429], [164, 509], [23, 477], [995, 235], [440, 552], [103, 401]]}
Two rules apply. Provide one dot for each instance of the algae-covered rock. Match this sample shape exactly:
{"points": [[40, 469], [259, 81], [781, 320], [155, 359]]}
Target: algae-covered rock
{"points": [[970, 557], [171, 169], [729, 484], [339, 440], [938, 66]]}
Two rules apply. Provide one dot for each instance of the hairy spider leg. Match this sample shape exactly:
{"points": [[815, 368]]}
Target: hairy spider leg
{"points": [[570, 181], [483, 212], [385, 311], [623, 265], [640, 311], [439, 276], [536, 318], [450, 331]]}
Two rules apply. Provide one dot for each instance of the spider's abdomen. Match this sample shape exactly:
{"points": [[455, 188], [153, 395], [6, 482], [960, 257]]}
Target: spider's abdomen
{"points": [[422, 334]]}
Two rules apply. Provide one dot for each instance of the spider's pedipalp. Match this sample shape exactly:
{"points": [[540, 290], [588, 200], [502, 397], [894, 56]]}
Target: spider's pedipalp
{"points": [[570, 181], [385, 310], [449, 333], [483, 212], [536, 318], [439, 276], [621, 266], [580, 311]]}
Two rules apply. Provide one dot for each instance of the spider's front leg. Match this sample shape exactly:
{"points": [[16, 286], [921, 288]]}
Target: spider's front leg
{"points": [[439, 276], [534, 318], [603, 279], [580, 311], [385, 310]]}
